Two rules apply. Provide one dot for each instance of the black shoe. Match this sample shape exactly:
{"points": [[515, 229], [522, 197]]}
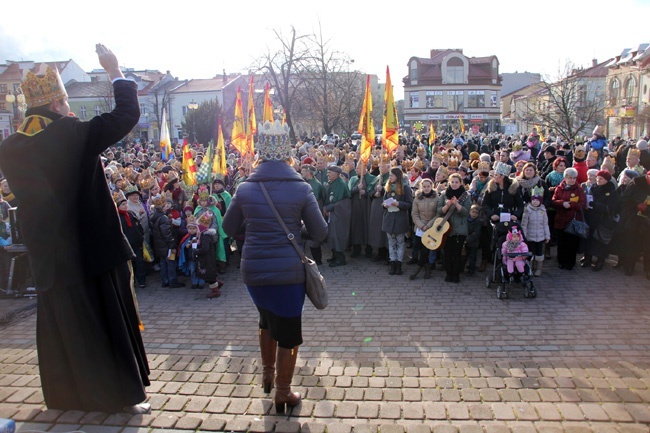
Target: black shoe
{"points": [[393, 265], [142, 285], [165, 285], [176, 285], [455, 279], [568, 268], [598, 266], [561, 266], [470, 272], [398, 268], [447, 279]]}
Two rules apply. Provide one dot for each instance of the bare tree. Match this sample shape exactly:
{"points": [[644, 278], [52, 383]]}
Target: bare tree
{"points": [[203, 121], [570, 105], [282, 68]]}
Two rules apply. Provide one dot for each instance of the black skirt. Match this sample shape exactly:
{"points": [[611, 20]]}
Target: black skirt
{"points": [[90, 351]]}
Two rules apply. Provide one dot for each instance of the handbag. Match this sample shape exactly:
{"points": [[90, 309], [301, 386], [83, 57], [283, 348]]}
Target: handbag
{"points": [[314, 282], [147, 253], [605, 229], [577, 227]]}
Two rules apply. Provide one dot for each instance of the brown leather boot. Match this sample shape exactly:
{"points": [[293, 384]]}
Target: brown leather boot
{"points": [[215, 289], [268, 348], [285, 364]]}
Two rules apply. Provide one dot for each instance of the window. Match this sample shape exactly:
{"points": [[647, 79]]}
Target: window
{"points": [[455, 74], [493, 98], [582, 95], [185, 110], [82, 112], [455, 100], [414, 99], [630, 88], [434, 99], [98, 110], [3, 88], [143, 109], [414, 71], [3, 106], [476, 98], [614, 92]]}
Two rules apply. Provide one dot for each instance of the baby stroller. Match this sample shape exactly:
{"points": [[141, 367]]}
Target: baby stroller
{"points": [[499, 274]]}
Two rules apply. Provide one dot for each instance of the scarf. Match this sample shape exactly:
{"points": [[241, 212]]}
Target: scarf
{"points": [[527, 184], [413, 177], [449, 193], [127, 217]]}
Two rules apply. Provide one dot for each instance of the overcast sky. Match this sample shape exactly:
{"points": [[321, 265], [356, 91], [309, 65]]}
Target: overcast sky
{"points": [[199, 39]]}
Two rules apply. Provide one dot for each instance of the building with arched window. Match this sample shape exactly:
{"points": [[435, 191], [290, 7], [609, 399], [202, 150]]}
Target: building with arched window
{"points": [[449, 85], [627, 110]]}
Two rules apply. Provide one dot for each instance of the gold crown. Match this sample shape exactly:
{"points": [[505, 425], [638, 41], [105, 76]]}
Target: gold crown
{"points": [[438, 157], [407, 164], [418, 164], [593, 154], [146, 181], [443, 171], [158, 200], [350, 156], [375, 161], [634, 152], [118, 197], [420, 151], [191, 221], [452, 162], [43, 90], [130, 189], [385, 158], [483, 166], [205, 219]]}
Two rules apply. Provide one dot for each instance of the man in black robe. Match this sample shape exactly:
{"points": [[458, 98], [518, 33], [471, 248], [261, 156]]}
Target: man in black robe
{"points": [[90, 351]]}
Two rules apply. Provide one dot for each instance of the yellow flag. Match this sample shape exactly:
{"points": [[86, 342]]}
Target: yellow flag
{"points": [[366, 127], [432, 133], [251, 124], [539, 132], [462, 124], [267, 114], [219, 164], [238, 135], [189, 169], [284, 116], [390, 127]]}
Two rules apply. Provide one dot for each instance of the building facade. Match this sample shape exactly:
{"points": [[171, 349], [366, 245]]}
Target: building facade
{"points": [[449, 85]]}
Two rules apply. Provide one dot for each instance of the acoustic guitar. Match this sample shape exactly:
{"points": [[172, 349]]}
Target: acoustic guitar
{"points": [[434, 237]]}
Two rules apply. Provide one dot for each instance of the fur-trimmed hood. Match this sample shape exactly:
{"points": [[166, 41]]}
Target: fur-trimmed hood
{"points": [[511, 184]]}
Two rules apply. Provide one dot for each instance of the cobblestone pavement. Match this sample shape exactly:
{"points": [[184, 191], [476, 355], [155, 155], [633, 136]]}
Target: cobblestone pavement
{"points": [[388, 355]]}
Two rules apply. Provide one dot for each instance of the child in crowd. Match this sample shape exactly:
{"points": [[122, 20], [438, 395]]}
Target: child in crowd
{"points": [[471, 243], [205, 254], [536, 229], [187, 247], [134, 233], [514, 244]]}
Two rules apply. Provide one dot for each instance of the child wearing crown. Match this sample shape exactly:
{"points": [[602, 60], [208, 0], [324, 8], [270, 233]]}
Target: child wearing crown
{"points": [[206, 260], [187, 248], [535, 226], [514, 244]]}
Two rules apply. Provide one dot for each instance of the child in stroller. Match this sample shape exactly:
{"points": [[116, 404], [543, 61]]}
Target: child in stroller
{"points": [[513, 251]]}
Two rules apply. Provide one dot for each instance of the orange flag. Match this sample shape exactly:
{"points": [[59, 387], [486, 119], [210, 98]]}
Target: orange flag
{"points": [[267, 114], [251, 124], [238, 135], [189, 169], [366, 127], [390, 128], [432, 133], [284, 116], [462, 124]]}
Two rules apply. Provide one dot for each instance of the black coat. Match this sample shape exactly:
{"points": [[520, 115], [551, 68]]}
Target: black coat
{"points": [[161, 233], [68, 219]]}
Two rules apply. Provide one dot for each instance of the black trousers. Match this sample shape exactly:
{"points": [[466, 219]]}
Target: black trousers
{"points": [[567, 248], [453, 249]]}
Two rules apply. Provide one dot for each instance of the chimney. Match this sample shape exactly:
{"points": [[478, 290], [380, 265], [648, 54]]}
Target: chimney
{"points": [[594, 62], [168, 72], [225, 77]]}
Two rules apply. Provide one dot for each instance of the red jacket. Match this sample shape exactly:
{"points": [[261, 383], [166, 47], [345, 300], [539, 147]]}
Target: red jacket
{"points": [[562, 194], [581, 167]]}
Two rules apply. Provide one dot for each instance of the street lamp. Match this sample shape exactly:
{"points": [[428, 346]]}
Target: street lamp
{"points": [[193, 106], [17, 101]]}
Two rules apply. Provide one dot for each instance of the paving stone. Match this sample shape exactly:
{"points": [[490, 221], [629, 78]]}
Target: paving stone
{"points": [[390, 428], [503, 411], [188, 423], [324, 409], [339, 427], [241, 425], [570, 412], [346, 410]]}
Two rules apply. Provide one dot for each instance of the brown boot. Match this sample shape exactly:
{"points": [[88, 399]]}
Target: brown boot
{"points": [[286, 362], [268, 348], [215, 291]]}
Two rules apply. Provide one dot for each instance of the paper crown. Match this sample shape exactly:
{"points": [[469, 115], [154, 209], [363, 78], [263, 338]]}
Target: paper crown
{"points": [[158, 200], [385, 158], [191, 221], [579, 151], [442, 171], [146, 181], [205, 219], [634, 153], [274, 143], [483, 167], [503, 169], [452, 162], [119, 197], [204, 194], [350, 156], [407, 164], [593, 154], [43, 89], [418, 164], [438, 157], [537, 191], [130, 189]]}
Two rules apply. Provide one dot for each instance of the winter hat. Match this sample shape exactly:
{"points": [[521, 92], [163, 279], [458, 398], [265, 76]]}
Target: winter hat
{"points": [[513, 231], [642, 145], [631, 173], [592, 172], [550, 149], [537, 193], [605, 175]]}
